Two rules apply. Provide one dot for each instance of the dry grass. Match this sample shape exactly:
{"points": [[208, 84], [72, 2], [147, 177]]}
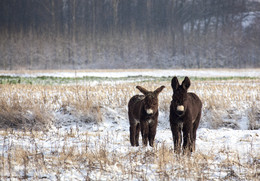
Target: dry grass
{"points": [[254, 116], [20, 110], [228, 100], [32, 105]]}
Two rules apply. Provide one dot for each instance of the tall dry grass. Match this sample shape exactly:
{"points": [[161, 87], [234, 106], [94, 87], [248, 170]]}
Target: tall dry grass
{"points": [[225, 103], [32, 106]]}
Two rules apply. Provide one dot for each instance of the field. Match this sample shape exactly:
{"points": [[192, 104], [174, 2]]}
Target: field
{"points": [[73, 125]]}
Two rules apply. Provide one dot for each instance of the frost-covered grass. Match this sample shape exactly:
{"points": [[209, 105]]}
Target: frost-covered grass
{"points": [[107, 155], [80, 131]]}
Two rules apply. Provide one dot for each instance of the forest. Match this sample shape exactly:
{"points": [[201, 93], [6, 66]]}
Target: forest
{"points": [[87, 34]]}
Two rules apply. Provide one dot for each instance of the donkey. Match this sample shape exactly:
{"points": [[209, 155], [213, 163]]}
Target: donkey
{"points": [[143, 113], [185, 113]]}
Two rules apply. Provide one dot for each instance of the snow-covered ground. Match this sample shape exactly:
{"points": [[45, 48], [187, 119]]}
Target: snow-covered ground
{"points": [[143, 72], [75, 150], [103, 152]]}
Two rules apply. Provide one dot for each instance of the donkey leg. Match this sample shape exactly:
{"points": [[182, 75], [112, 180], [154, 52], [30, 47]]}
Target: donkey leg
{"points": [[195, 127], [137, 134], [145, 132], [132, 134], [188, 138], [152, 133], [177, 138], [187, 144]]}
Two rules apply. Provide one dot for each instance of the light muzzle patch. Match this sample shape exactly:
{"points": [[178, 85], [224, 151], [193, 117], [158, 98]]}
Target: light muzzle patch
{"points": [[149, 111], [180, 108]]}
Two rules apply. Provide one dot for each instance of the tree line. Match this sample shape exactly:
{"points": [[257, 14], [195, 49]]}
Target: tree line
{"points": [[77, 34]]}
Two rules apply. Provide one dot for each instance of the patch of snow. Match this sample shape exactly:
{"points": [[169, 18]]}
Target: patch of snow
{"points": [[144, 72], [249, 19]]}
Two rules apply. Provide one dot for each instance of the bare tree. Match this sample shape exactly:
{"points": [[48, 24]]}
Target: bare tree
{"points": [[50, 34]]}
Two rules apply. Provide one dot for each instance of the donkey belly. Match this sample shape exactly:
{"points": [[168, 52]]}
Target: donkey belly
{"points": [[194, 106]]}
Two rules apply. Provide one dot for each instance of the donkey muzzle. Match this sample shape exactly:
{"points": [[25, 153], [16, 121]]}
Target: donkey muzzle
{"points": [[180, 110], [149, 111]]}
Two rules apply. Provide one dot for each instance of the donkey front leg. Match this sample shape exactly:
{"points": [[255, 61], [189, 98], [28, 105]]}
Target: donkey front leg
{"points": [[188, 143], [152, 133], [145, 132], [177, 138]]}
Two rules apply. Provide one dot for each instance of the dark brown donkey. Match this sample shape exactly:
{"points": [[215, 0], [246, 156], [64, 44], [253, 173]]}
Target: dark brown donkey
{"points": [[185, 113], [143, 113]]}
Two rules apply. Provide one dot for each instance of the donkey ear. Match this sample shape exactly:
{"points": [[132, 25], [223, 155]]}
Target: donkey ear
{"points": [[158, 90], [186, 83], [175, 83], [143, 90]]}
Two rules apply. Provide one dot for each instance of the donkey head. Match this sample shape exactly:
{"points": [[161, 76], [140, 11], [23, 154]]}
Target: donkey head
{"points": [[180, 97], [151, 99]]}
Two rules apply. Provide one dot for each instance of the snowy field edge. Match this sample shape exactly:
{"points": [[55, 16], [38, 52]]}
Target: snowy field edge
{"points": [[114, 73]]}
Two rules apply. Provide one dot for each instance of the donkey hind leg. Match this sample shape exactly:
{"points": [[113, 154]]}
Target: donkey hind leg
{"points": [[137, 132], [132, 134], [195, 127], [177, 138]]}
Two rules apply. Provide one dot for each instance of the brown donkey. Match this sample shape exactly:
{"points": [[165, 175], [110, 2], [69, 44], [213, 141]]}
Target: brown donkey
{"points": [[185, 113], [143, 113]]}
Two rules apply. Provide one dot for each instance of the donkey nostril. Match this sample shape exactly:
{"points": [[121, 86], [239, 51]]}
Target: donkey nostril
{"points": [[180, 108]]}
